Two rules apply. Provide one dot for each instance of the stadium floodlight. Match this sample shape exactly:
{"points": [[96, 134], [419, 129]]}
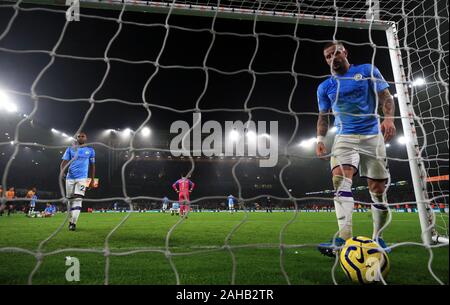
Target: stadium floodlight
{"points": [[308, 143], [64, 135], [145, 131], [402, 140], [234, 135], [388, 145], [11, 108], [418, 82], [6, 104], [126, 132], [54, 130], [108, 132]]}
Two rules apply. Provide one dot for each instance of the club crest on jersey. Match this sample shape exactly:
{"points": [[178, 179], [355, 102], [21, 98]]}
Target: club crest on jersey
{"points": [[358, 76]]}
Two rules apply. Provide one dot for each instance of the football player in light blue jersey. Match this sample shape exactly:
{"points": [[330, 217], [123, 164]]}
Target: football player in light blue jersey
{"points": [[231, 201], [175, 209], [49, 211], [81, 160], [165, 203], [352, 95], [33, 197], [33, 200]]}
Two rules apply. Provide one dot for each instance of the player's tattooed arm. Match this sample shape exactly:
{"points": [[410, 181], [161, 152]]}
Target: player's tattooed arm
{"points": [[323, 123], [322, 128], [387, 105]]}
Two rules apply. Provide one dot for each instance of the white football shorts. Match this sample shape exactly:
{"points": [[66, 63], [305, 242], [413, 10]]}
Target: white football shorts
{"points": [[366, 153], [76, 187]]}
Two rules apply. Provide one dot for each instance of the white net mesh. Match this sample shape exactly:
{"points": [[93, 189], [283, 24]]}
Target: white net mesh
{"points": [[423, 38], [426, 59]]}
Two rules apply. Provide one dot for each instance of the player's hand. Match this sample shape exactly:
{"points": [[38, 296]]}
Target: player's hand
{"points": [[388, 129], [91, 184], [190, 191], [321, 151]]}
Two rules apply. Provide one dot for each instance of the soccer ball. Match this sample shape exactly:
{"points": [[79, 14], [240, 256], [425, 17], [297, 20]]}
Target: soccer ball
{"points": [[362, 260]]}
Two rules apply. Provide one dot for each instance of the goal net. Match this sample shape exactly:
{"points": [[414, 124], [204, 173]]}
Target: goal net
{"points": [[126, 71]]}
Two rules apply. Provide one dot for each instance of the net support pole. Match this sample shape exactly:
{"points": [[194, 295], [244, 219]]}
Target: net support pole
{"points": [[418, 173]]}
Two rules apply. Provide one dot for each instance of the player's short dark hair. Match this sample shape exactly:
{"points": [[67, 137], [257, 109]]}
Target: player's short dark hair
{"points": [[333, 43]]}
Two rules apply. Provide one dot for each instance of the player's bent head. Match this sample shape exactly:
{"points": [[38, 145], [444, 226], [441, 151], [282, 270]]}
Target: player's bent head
{"points": [[333, 43], [334, 47], [335, 55]]}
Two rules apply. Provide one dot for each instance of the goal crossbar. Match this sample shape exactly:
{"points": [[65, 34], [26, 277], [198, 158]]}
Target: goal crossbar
{"points": [[224, 12]]}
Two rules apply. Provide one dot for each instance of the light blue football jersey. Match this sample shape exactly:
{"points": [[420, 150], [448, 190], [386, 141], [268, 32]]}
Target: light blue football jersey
{"points": [[79, 168], [357, 89]]}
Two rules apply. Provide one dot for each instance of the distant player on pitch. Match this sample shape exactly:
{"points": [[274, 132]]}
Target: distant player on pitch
{"points": [[33, 197], [165, 203], [183, 187], [82, 161], [231, 202], [175, 209], [49, 211], [10, 195], [359, 144]]}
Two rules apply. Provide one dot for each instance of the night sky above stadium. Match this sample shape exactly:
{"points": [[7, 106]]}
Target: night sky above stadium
{"points": [[176, 85]]}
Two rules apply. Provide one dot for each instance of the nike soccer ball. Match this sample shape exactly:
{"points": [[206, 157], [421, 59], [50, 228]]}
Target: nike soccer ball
{"points": [[363, 261]]}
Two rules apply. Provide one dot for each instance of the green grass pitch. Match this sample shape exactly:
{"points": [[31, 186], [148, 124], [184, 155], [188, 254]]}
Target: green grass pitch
{"points": [[203, 235]]}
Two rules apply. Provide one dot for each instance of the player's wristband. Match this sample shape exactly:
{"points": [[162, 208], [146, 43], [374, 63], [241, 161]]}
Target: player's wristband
{"points": [[320, 139]]}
